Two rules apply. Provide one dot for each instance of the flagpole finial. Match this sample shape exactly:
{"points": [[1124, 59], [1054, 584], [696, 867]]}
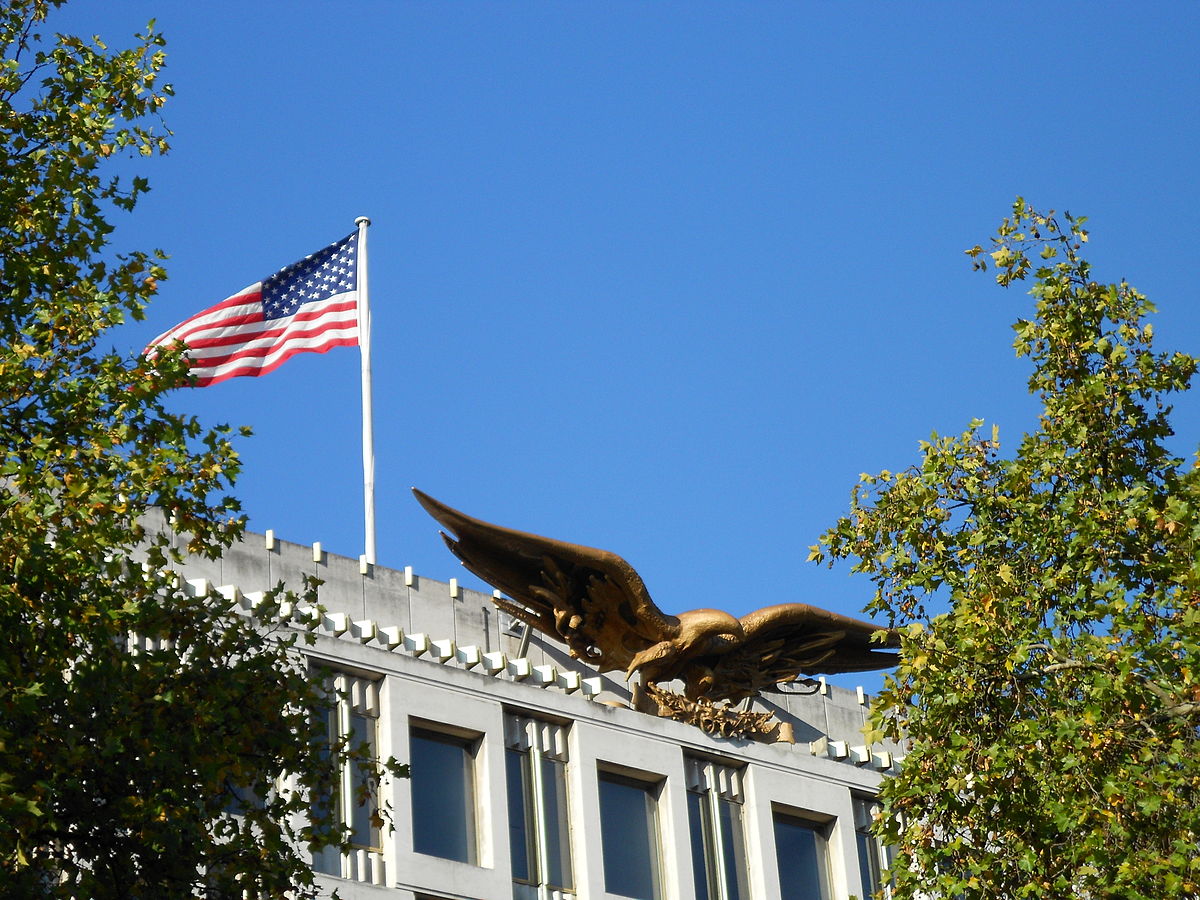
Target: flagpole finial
{"points": [[362, 220]]}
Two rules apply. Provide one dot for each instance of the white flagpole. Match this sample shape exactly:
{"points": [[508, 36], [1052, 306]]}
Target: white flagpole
{"points": [[364, 345]]}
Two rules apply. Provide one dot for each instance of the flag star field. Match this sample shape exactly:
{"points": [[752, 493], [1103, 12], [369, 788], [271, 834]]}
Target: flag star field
{"points": [[318, 277]]}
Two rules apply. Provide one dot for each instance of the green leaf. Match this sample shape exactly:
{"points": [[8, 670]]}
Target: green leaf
{"points": [[1049, 694]]}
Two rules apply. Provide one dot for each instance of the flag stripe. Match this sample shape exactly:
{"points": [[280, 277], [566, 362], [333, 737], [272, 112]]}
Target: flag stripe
{"points": [[206, 375], [249, 299], [300, 339], [264, 325], [298, 332], [259, 329]]}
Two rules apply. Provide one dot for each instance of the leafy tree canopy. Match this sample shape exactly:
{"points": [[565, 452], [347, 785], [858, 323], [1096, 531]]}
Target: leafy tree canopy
{"points": [[1052, 712], [151, 742]]}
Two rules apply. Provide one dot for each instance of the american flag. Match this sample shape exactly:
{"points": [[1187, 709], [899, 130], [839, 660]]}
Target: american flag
{"points": [[308, 307]]}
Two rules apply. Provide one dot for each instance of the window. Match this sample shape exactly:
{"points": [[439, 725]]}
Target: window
{"points": [[714, 795], [350, 718], [539, 836], [800, 853], [873, 857], [443, 795], [629, 836]]}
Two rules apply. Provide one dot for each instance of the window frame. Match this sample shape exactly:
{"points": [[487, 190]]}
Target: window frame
{"points": [[821, 828], [469, 745], [652, 789], [717, 786], [349, 697], [535, 745], [873, 868]]}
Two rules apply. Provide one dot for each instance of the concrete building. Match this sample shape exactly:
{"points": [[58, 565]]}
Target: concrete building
{"points": [[532, 779]]}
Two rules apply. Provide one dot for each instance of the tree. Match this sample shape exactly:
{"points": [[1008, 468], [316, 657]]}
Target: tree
{"points": [[152, 743], [1049, 606]]}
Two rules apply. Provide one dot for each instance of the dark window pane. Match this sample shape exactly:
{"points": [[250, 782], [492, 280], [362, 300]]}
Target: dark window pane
{"points": [[873, 857], [520, 823], [325, 797], [700, 851], [558, 836], [868, 863], [443, 797], [800, 851], [629, 837], [734, 848], [363, 785]]}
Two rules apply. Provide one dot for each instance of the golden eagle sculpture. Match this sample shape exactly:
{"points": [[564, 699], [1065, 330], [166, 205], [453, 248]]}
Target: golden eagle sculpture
{"points": [[595, 602]]}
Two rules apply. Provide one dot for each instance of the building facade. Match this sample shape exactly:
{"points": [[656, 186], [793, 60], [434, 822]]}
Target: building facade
{"points": [[532, 778]]}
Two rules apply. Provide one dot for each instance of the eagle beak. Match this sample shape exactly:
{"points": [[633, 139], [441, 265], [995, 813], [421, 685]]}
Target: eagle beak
{"points": [[639, 659], [658, 651]]}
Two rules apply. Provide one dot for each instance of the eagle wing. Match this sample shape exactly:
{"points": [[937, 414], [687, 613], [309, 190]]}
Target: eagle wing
{"points": [[591, 599], [781, 643]]}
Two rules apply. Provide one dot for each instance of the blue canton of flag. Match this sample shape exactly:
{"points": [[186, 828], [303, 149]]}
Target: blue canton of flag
{"points": [[318, 277]]}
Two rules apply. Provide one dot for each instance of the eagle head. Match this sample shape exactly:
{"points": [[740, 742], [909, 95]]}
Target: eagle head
{"points": [[697, 628]]}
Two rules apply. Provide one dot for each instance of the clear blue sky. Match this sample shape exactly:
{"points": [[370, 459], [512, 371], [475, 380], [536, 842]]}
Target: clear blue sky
{"points": [[662, 278]]}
